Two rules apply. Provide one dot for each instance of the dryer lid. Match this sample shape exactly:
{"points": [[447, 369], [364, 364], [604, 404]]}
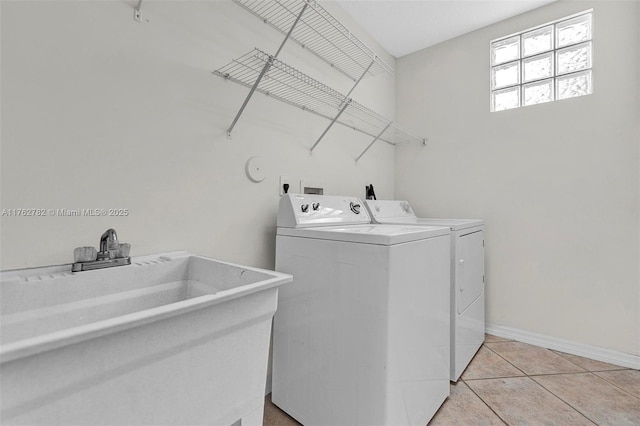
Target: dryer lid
{"points": [[400, 212], [454, 224]]}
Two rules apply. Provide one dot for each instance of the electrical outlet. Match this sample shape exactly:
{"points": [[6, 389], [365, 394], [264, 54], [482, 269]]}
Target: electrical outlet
{"points": [[283, 180]]}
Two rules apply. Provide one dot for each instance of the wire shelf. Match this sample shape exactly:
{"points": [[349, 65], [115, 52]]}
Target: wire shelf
{"points": [[291, 86], [319, 32]]}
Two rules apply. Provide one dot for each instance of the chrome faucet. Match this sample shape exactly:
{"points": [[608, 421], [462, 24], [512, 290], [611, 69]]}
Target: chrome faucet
{"points": [[112, 253]]}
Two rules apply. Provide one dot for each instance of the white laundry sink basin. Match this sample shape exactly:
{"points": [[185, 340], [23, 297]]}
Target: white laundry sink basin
{"points": [[49, 307], [56, 320]]}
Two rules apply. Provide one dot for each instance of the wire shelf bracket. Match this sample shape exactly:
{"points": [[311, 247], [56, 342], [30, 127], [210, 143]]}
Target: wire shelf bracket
{"points": [[346, 102], [266, 67], [372, 142], [333, 121]]}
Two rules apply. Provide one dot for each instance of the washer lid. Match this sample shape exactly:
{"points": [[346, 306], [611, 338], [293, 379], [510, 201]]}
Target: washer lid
{"points": [[368, 234]]}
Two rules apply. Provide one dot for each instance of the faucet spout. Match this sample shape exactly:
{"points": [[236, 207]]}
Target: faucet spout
{"points": [[107, 241]]}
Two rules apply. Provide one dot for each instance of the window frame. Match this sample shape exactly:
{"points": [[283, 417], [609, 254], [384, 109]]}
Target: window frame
{"points": [[552, 52]]}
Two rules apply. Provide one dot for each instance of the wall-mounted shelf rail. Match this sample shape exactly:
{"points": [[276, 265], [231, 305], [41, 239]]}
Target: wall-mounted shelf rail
{"points": [[319, 32], [291, 86]]}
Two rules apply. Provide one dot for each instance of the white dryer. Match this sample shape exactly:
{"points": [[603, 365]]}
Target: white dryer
{"points": [[467, 275], [361, 337]]}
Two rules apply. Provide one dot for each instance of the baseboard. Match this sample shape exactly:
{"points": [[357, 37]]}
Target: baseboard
{"points": [[593, 352]]}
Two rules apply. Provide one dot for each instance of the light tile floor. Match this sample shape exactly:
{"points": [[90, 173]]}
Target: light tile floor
{"points": [[514, 383]]}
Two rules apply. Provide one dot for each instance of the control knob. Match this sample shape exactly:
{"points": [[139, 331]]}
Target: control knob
{"points": [[354, 207], [304, 208]]}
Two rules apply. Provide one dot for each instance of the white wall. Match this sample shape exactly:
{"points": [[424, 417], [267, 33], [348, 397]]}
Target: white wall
{"points": [[558, 184], [100, 111]]}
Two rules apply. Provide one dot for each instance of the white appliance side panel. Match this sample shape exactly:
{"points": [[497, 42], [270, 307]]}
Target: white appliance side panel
{"points": [[329, 341], [469, 336], [469, 268], [467, 298], [418, 330]]}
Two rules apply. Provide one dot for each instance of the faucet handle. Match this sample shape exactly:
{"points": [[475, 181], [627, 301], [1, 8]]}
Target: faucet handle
{"points": [[85, 254], [123, 250]]}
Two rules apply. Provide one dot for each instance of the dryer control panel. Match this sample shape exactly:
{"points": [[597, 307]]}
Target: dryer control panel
{"points": [[382, 210], [306, 210]]}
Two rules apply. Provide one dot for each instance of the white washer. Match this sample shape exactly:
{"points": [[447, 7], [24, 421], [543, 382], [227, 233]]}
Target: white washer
{"points": [[361, 336], [467, 275]]}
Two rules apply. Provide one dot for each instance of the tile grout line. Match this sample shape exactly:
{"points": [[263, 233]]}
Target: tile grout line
{"points": [[594, 372], [539, 384], [464, 381], [476, 394], [507, 361], [552, 374], [613, 384], [559, 353], [567, 359], [584, 369], [475, 379], [560, 374], [590, 371], [566, 402], [485, 403]]}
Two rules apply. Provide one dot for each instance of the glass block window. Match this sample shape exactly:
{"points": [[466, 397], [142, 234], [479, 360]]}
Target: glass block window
{"points": [[547, 63]]}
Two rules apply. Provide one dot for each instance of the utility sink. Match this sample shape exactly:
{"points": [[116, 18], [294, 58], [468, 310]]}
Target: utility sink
{"points": [[51, 312]]}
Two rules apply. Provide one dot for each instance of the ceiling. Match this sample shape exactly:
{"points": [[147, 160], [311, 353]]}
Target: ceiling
{"points": [[403, 26]]}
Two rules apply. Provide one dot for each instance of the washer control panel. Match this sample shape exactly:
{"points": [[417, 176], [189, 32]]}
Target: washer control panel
{"points": [[305, 210]]}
